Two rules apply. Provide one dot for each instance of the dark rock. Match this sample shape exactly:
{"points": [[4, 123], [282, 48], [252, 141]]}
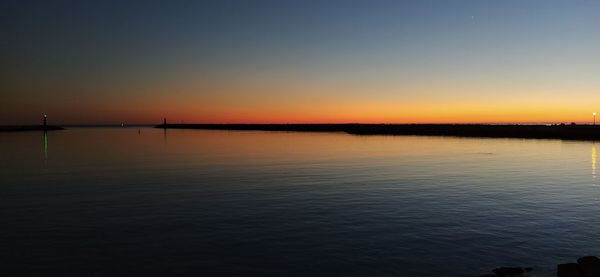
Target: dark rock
{"points": [[590, 266], [588, 259], [568, 270], [508, 271]]}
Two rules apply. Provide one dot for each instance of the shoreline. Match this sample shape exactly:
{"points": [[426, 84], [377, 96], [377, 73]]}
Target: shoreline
{"points": [[23, 128], [566, 132]]}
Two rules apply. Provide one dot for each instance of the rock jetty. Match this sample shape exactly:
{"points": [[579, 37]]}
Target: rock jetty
{"points": [[550, 131]]}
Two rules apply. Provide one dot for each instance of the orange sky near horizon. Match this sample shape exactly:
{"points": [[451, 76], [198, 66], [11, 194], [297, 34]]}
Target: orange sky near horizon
{"points": [[251, 101], [320, 112]]}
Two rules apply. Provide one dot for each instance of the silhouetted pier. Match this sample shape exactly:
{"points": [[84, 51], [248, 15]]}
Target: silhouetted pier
{"points": [[29, 128], [43, 127], [562, 131]]}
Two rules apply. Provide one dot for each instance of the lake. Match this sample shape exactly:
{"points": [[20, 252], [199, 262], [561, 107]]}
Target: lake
{"points": [[115, 202]]}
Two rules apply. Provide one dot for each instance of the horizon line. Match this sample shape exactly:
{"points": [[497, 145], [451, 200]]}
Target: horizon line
{"points": [[304, 123]]}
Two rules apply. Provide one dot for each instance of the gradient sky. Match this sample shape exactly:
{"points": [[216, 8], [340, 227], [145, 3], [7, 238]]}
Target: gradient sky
{"points": [[92, 62]]}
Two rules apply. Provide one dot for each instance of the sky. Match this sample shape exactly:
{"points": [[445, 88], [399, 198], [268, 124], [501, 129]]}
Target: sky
{"points": [[425, 61]]}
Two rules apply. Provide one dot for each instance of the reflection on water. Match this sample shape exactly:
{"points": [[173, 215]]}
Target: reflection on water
{"points": [[269, 203], [594, 161], [45, 143]]}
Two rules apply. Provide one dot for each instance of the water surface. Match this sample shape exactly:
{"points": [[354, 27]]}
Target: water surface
{"points": [[110, 201]]}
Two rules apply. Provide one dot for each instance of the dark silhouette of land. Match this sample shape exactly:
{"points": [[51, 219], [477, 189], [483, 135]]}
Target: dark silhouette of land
{"points": [[558, 131], [29, 128]]}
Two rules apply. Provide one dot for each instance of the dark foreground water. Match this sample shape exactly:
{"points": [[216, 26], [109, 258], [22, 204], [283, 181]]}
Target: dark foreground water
{"points": [[112, 202]]}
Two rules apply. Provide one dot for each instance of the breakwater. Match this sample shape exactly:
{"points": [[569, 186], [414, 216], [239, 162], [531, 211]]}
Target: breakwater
{"points": [[29, 128], [562, 131]]}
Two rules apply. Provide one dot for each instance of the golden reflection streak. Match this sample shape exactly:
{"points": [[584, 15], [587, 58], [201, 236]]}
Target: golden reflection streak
{"points": [[594, 161]]}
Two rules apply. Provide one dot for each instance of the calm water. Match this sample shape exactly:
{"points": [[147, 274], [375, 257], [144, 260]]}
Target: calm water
{"points": [[112, 202]]}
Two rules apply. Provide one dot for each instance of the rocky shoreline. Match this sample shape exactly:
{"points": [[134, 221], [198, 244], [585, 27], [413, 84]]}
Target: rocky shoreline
{"points": [[587, 266]]}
